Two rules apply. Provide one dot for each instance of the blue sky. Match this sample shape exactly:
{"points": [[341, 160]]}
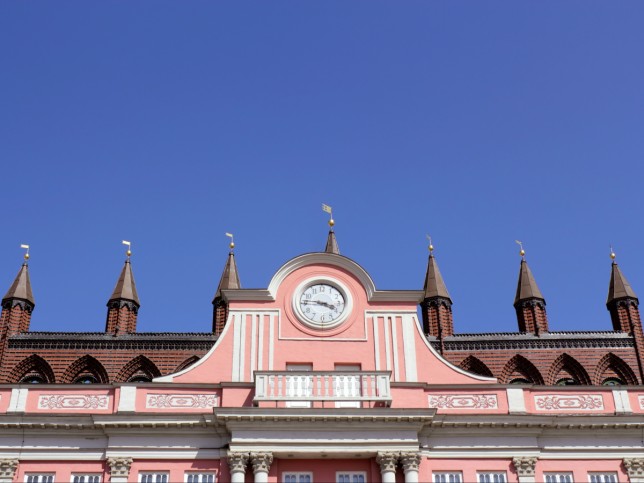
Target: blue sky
{"points": [[170, 123]]}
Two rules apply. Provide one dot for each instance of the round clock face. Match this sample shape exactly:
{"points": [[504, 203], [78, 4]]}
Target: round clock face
{"points": [[321, 304]]}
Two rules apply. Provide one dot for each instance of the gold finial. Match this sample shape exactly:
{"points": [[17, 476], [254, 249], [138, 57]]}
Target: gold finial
{"points": [[430, 247], [232, 241], [329, 210], [129, 248], [522, 251], [612, 253], [26, 247]]}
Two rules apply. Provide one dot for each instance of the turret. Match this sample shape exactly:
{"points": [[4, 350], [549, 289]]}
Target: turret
{"points": [[17, 304], [229, 280], [436, 304], [529, 303], [123, 305]]}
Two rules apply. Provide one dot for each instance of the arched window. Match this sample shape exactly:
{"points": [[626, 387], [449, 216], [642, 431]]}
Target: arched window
{"points": [[86, 379], [520, 380], [33, 379], [613, 381], [567, 381]]}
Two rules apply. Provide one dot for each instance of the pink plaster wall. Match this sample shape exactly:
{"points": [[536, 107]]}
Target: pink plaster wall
{"points": [[580, 468], [324, 470], [5, 397], [469, 468], [175, 468], [62, 469], [636, 399]]}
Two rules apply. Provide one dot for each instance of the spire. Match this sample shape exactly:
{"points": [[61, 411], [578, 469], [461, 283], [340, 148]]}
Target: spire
{"points": [[436, 306], [529, 302], [20, 290], [125, 288], [332, 243], [619, 288], [434, 284], [229, 277]]}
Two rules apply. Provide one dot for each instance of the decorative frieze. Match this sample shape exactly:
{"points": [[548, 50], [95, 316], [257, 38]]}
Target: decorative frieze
{"points": [[525, 465], [119, 467], [573, 402], [387, 461], [237, 461], [641, 401], [634, 467], [8, 468], [261, 462], [410, 461], [180, 401], [72, 402], [463, 401]]}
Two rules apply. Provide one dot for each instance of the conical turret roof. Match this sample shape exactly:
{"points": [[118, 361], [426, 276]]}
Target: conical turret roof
{"points": [[125, 288], [527, 287], [332, 244], [619, 287], [434, 284], [229, 277], [21, 287]]}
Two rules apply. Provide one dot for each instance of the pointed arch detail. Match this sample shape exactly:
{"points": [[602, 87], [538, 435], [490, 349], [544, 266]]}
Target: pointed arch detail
{"points": [[571, 366], [140, 368], [475, 365], [188, 362], [522, 366], [32, 366], [611, 365], [85, 366]]}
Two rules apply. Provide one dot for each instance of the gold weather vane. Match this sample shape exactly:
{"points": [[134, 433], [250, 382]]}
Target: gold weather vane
{"points": [[129, 248], [430, 247], [329, 210], [26, 247], [232, 240], [522, 251], [612, 253]]}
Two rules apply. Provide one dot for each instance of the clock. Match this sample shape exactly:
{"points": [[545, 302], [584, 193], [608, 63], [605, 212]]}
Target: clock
{"points": [[321, 303]]}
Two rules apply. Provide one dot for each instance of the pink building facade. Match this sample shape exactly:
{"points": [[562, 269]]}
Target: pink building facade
{"points": [[321, 377]]}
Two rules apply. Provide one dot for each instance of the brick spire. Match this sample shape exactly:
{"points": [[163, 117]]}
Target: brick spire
{"points": [[17, 305], [437, 304], [623, 305], [529, 303], [229, 280], [123, 305], [332, 243]]}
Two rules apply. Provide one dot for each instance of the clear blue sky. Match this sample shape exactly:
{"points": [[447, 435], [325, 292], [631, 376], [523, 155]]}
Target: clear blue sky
{"points": [[170, 123]]}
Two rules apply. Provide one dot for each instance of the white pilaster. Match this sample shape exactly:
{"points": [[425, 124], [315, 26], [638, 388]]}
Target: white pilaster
{"points": [[411, 465], [119, 469], [388, 462], [127, 399], [516, 400], [18, 401], [622, 403], [237, 463], [525, 466], [261, 463], [8, 470]]}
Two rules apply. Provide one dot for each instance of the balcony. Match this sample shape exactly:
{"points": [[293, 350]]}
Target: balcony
{"points": [[301, 388]]}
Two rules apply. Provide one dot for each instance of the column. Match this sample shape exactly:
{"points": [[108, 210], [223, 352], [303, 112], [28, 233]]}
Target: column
{"points": [[525, 466], [635, 469], [261, 463], [237, 463], [388, 462], [411, 464], [119, 469]]}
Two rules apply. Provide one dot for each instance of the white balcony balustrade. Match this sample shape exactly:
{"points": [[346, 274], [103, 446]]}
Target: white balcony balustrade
{"points": [[308, 386]]}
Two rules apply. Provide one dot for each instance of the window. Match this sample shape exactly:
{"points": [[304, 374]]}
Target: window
{"points": [[86, 478], [613, 381], [492, 477], [602, 477], [558, 477], [153, 478], [448, 477], [350, 477], [200, 478], [86, 379], [297, 477], [39, 478]]}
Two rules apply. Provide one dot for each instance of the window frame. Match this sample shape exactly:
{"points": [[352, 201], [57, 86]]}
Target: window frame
{"points": [[558, 475], [39, 475], [493, 472], [603, 474], [446, 473], [186, 474], [297, 474], [86, 475], [351, 475], [143, 473]]}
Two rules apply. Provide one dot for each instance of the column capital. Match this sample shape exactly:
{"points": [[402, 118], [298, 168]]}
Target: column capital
{"points": [[237, 461], [261, 461], [8, 467], [634, 467], [387, 461], [525, 465], [410, 461], [119, 466]]}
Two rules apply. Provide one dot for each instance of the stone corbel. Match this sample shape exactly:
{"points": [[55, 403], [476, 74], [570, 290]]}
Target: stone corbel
{"points": [[525, 467], [119, 468], [635, 469], [8, 469]]}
